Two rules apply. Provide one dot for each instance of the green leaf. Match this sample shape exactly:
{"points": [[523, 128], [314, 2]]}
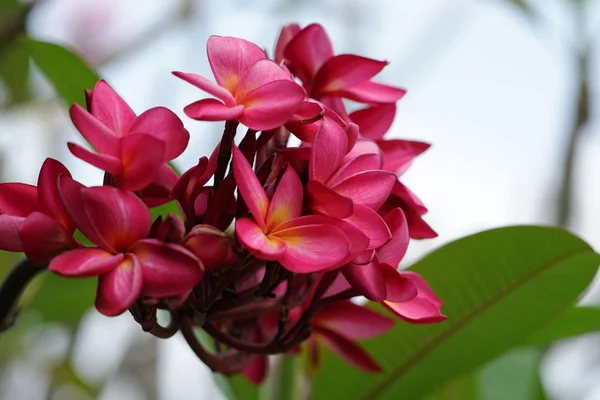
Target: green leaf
{"points": [[14, 71], [573, 322], [498, 287], [62, 300], [462, 388], [65, 70]]}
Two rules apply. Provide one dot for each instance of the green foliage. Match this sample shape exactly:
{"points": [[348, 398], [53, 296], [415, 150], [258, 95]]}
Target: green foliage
{"points": [[573, 322], [498, 286], [14, 71], [69, 75]]}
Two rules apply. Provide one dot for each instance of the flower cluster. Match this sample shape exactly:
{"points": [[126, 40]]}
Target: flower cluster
{"points": [[271, 241]]}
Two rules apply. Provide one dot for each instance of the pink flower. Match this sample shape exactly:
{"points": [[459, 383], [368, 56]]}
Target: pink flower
{"points": [[132, 149], [126, 263], [33, 219], [309, 55], [252, 89], [351, 189], [278, 232], [338, 325]]}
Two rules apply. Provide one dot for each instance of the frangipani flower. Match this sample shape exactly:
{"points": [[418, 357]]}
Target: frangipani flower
{"points": [[252, 89], [133, 149], [278, 232], [126, 263]]}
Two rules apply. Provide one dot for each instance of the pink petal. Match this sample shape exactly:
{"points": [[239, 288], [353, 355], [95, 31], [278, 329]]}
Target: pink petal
{"points": [[271, 105], [43, 237], [118, 217], [328, 150], [423, 309], [286, 34], [212, 246], [230, 57], [163, 124], [259, 74], [309, 50], [345, 70], [168, 269], [398, 154], [104, 162], [212, 110], [18, 199], [312, 248], [417, 227], [367, 279], [399, 287], [250, 188], [85, 263], [99, 135], [347, 349], [254, 239], [371, 92], [9, 232], [363, 146], [408, 198], [370, 188], [207, 86], [49, 196], [423, 288], [286, 203], [361, 163], [371, 224], [159, 190], [256, 369], [119, 288], [374, 121], [352, 321], [142, 156], [393, 251], [309, 111], [110, 109], [328, 201]]}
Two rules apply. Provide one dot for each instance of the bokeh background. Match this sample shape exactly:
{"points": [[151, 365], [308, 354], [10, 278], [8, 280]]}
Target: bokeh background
{"points": [[505, 90]]}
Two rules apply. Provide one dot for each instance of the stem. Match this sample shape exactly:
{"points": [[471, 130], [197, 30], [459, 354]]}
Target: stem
{"points": [[224, 151], [11, 290]]}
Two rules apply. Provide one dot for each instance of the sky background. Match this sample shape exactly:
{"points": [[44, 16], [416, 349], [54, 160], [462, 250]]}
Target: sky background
{"points": [[491, 89]]}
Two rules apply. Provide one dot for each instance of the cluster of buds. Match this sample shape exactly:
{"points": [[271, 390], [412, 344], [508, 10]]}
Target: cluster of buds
{"points": [[264, 259]]}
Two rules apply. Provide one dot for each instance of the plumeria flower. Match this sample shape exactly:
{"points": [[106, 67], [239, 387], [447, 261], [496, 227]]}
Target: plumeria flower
{"points": [[278, 232], [251, 88], [309, 55], [133, 149], [33, 219], [126, 263]]}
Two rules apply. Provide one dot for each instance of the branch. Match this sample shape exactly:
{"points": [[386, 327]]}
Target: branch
{"points": [[11, 290]]}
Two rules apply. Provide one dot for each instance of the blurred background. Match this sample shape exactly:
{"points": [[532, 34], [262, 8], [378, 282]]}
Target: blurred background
{"points": [[505, 90]]}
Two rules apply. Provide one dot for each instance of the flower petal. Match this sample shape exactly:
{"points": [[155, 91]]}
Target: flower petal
{"points": [[259, 74], [374, 121], [271, 105], [119, 217], [206, 85], [48, 193], [18, 199], [398, 154], [399, 288], [369, 188], [367, 279], [423, 288], [254, 239], [312, 248], [104, 162], [159, 190], [371, 224], [328, 201], [163, 124], [417, 227], [286, 203], [168, 269], [230, 57], [286, 34], [352, 321], [328, 150], [119, 288], [100, 136], [393, 251], [361, 163], [9, 232], [43, 237], [371, 92], [110, 109], [345, 70], [309, 50], [423, 309], [347, 349], [250, 188], [212, 110], [142, 156], [85, 263], [256, 370]]}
